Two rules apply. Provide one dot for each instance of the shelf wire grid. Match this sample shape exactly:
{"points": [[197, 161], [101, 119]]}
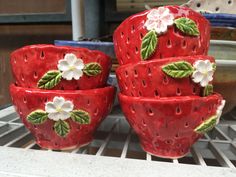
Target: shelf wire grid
{"points": [[115, 138]]}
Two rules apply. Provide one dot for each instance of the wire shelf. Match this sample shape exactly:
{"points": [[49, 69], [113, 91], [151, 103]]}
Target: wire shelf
{"points": [[116, 139]]}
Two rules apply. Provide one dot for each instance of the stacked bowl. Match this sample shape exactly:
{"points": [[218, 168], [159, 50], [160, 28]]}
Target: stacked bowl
{"points": [[60, 93], [166, 77]]}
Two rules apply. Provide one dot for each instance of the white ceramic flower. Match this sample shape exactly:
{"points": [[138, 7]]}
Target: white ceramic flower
{"points": [[219, 111], [203, 73], [59, 109], [71, 67], [159, 20]]}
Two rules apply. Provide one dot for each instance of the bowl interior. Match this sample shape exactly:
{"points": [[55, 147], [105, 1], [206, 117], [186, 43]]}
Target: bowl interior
{"points": [[223, 50], [225, 80]]}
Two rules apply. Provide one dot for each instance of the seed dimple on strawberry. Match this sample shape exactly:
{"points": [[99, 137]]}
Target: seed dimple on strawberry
{"points": [[174, 42]]}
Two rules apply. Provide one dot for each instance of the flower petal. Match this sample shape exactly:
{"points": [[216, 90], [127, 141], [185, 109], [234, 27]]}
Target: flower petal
{"points": [[210, 75], [77, 73], [70, 58], [197, 76], [79, 64], [204, 82], [58, 101], [68, 106], [150, 24], [162, 10], [200, 66], [54, 116], [168, 19], [219, 110], [50, 107], [196, 64], [59, 116], [219, 113], [68, 75], [222, 105], [63, 65], [161, 27], [153, 14], [208, 65], [64, 115], [159, 19]]}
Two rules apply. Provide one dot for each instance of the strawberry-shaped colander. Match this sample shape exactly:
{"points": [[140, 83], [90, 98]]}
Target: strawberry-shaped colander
{"points": [[62, 119], [169, 126], [177, 76], [59, 68], [168, 31]]}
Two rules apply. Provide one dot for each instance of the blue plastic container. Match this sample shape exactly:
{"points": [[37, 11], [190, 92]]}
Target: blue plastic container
{"points": [[106, 47]]}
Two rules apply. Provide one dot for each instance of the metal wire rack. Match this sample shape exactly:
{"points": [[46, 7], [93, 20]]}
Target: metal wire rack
{"points": [[115, 139]]}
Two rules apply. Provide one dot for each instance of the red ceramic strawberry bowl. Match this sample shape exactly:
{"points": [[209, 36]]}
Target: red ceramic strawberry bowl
{"points": [[59, 68], [168, 127], [62, 119], [179, 76], [168, 31]]}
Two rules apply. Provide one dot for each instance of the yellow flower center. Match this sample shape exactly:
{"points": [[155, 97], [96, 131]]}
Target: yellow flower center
{"points": [[205, 73], [72, 67], [59, 109]]}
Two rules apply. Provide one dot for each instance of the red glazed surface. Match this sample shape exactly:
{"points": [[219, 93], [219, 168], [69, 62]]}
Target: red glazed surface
{"points": [[128, 37], [166, 126], [30, 63], [146, 79], [96, 102]]}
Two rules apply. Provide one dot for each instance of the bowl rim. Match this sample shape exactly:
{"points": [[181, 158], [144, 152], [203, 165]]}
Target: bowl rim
{"points": [[177, 99], [225, 42], [95, 91], [226, 63], [160, 62], [57, 47]]}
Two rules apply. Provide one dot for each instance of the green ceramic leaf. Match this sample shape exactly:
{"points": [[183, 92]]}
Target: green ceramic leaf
{"points": [[179, 69], [61, 128], [207, 125], [187, 26], [208, 90], [92, 69], [214, 66], [37, 117], [50, 80], [149, 44], [80, 116]]}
